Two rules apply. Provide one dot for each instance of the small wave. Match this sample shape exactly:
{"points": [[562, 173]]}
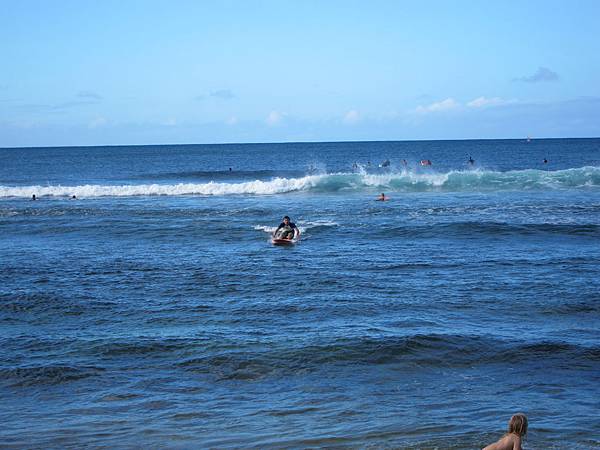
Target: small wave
{"points": [[36, 375], [470, 229], [222, 174], [464, 181], [302, 226], [419, 350], [40, 302]]}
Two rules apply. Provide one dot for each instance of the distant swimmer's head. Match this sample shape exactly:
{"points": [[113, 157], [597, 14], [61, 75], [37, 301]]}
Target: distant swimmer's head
{"points": [[518, 424]]}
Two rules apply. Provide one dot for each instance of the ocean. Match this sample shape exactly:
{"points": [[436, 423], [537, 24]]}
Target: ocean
{"points": [[151, 309]]}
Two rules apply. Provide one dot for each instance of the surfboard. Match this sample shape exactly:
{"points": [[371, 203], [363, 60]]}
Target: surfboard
{"points": [[283, 241]]}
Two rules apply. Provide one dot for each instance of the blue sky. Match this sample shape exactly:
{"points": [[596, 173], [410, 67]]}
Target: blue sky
{"points": [[142, 72]]}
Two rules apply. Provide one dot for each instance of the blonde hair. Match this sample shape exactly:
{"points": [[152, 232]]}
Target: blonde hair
{"points": [[518, 424]]}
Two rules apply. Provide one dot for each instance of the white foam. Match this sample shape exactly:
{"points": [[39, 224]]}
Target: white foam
{"points": [[303, 227], [258, 187], [397, 181]]}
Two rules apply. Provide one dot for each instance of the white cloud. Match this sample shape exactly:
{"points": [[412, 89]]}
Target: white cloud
{"points": [[444, 105], [274, 118], [170, 122], [482, 102], [97, 122], [351, 117]]}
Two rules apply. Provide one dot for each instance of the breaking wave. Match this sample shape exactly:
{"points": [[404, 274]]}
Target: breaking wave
{"points": [[452, 181]]}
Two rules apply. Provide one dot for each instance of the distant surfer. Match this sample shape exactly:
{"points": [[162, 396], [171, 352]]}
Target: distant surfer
{"points": [[425, 162], [33, 198], [286, 230], [545, 161], [471, 160], [382, 198], [386, 163], [404, 163]]}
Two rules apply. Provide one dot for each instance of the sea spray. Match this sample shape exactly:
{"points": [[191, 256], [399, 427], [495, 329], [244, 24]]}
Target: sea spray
{"points": [[404, 181]]}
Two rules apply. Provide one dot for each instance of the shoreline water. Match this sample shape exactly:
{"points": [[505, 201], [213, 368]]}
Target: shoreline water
{"points": [[425, 321]]}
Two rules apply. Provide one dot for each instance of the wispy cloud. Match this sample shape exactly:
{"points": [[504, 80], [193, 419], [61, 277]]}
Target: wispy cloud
{"points": [[445, 105], [351, 117], [90, 95], [220, 94], [223, 94], [54, 108], [170, 122], [97, 123], [274, 118], [232, 120], [543, 74], [484, 102]]}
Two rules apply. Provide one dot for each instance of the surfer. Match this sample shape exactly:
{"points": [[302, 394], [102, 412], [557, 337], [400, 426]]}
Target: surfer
{"points": [[286, 230], [381, 198], [545, 161], [386, 163], [425, 162], [33, 198], [517, 429], [471, 160]]}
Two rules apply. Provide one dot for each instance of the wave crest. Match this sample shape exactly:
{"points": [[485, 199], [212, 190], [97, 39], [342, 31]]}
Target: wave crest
{"points": [[474, 180]]}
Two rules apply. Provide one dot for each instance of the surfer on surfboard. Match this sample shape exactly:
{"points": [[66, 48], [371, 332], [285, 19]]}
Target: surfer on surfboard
{"points": [[286, 230]]}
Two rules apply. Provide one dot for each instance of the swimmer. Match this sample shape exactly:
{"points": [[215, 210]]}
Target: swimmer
{"points": [[382, 198], [471, 160], [33, 198], [517, 429], [425, 162], [545, 161]]}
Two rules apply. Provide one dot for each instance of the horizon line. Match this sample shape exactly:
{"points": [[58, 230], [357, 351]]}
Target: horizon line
{"points": [[528, 138]]}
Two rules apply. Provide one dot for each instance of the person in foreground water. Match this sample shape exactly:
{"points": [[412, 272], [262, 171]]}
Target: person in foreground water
{"points": [[287, 230], [517, 429], [381, 198]]}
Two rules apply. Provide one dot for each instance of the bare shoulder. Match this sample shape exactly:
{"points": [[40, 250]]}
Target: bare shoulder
{"points": [[507, 442]]}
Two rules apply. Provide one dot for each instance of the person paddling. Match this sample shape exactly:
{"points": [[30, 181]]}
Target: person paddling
{"points": [[287, 230], [382, 198]]}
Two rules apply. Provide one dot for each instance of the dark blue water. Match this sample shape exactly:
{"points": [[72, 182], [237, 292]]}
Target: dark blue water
{"points": [[153, 310]]}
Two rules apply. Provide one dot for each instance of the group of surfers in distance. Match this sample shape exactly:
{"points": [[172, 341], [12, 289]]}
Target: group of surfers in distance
{"points": [[423, 162]]}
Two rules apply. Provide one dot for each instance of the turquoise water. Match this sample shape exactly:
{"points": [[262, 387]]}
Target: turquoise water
{"points": [[152, 308]]}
